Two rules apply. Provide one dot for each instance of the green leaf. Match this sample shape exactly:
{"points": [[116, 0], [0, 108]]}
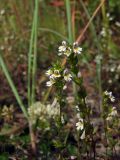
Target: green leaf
{"points": [[58, 144], [4, 156], [72, 149]]}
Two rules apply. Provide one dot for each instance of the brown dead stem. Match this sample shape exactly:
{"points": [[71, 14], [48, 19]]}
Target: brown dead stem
{"points": [[79, 39]]}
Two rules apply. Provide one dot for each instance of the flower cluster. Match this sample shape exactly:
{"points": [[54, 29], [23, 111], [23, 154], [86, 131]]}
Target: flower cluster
{"points": [[7, 112], [109, 94], [64, 49], [39, 111], [55, 74], [112, 114]]}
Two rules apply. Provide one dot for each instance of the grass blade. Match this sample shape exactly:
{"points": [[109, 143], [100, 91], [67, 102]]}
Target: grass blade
{"points": [[69, 21], [30, 62], [35, 53], [11, 83]]}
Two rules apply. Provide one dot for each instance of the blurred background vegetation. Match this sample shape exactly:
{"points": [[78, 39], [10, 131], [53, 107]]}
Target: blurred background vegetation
{"points": [[101, 49]]}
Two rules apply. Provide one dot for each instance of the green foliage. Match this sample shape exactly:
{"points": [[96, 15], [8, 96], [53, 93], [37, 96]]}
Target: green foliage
{"points": [[52, 20], [114, 6], [72, 150], [4, 156], [24, 140], [92, 5]]}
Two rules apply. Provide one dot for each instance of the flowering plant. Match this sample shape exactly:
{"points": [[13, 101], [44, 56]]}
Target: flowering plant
{"points": [[61, 76]]}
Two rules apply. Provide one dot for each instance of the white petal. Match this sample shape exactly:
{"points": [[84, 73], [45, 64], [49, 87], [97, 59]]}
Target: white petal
{"points": [[64, 43], [83, 135], [49, 84]]}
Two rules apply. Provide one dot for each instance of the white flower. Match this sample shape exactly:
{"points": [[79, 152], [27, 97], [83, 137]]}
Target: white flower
{"points": [[49, 72], [103, 32], [112, 114], [67, 76], [67, 51], [106, 93], [109, 118], [112, 98], [76, 49], [2, 12], [73, 157], [62, 48], [80, 125], [53, 73], [62, 120], [79, 74], [64, 87], [77, 108], [109, 94], [50, 83], [109, 17], [56, 74], [117, 24]]}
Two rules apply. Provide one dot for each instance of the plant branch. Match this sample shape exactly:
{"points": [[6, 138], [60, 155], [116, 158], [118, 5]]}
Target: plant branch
{"points": [[89, 22]]}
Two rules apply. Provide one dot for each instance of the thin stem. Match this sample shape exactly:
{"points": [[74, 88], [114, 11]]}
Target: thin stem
{"points": [[107, 39], [114, 151], [73, 19], [92, 26], [97, 44], [70, 34], [33, 138], [47, 95], [32, 65], [78, 144], [69, 22], [30, 57], [89, 22], [11, 83], [98, 68], [35, 54], [44, 30]]}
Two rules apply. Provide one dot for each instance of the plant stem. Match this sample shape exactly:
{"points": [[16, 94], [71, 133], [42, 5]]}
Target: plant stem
{"points": [[70, 34], [78, 143], [33, 139], [35, 54], [97, 45], [89, 22], [69, 22], [30, 57], [32, 65]]}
